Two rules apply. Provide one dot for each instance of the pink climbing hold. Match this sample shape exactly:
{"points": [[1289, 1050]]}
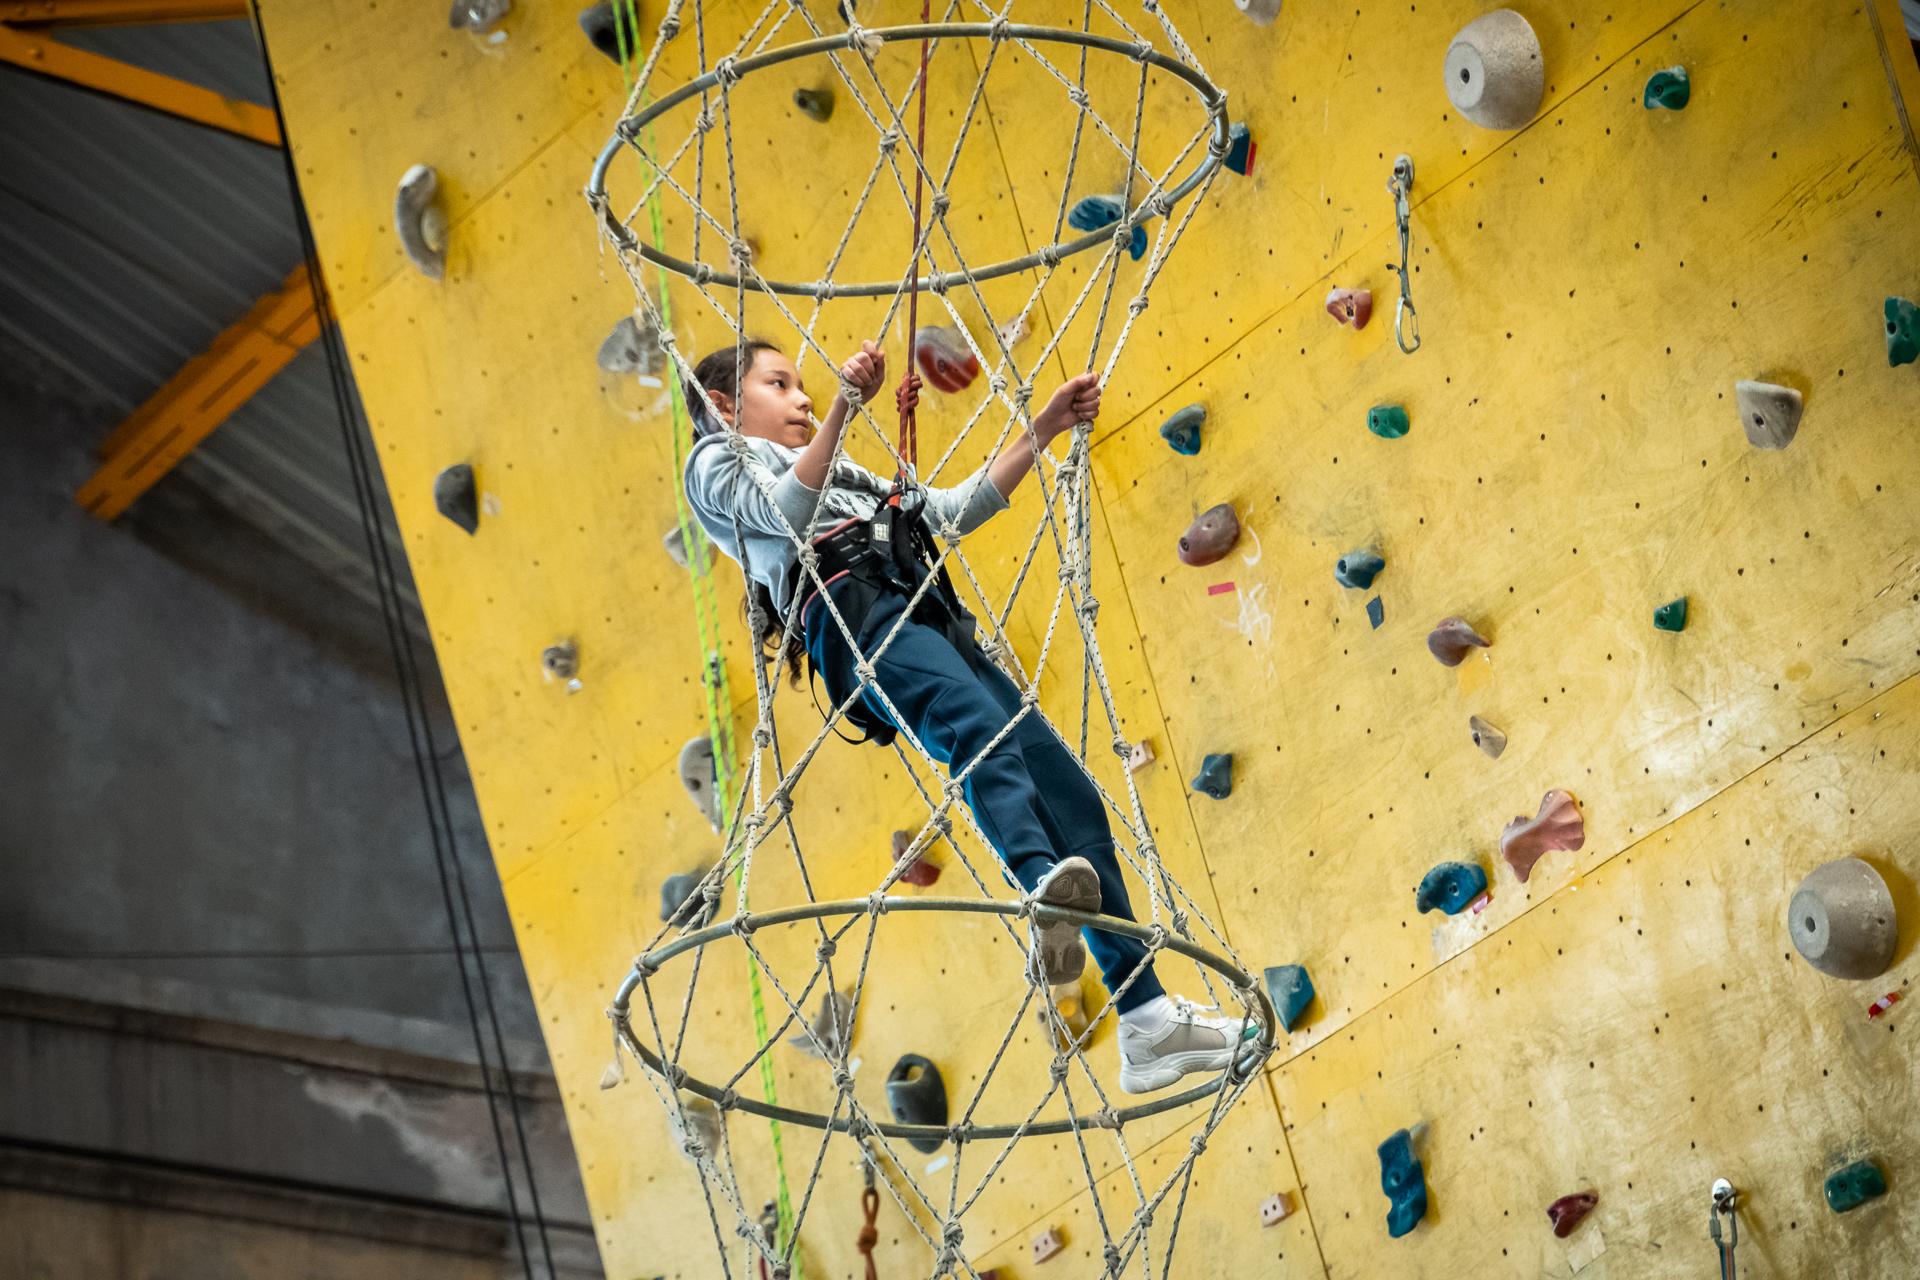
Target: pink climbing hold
{"points": [[1568, 1212], [1352, 307], [1557, 826], [1210, 536], [1453, 639], [945, 359]]}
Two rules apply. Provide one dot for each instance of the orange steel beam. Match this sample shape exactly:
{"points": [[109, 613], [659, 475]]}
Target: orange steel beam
{"points": [[45, 56], [108, 13], [201, 396]]}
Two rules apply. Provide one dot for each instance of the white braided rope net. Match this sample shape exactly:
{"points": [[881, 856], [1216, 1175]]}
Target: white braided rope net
{"points": [[1073, 1104]]}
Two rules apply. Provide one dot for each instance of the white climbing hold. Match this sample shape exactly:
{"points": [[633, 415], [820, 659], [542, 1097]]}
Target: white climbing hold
{"points": [[633, 346], [477, 15], [419, 221], [1770, 413], [1261, 12], [1494, 72], [700, 776]]}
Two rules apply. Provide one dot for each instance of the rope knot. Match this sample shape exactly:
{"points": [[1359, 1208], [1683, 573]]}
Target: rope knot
{"points": [[1160, 203], [1078, 97], [704, 122], [889, 139], [940, 204], [826, 951], [956, 791], [1121, 747], [1057, 1069], [960, 1133], [743, 925], [863, 41], [943, 824], [1030, 698], [741, 251], [1142, 52], [1198, 1143], [645, 967], [669, 26], [1023, 395], [1137, 304], [726, 72], [876, 903], [1112, 1255], [728, 1100], [951, 1235], [842, 1080], [864, 670], [702, 273], [823, 291], [938, 284], [1157, 938], [1107, 1118], [999, 28], [997, 384], [869, 1237]]}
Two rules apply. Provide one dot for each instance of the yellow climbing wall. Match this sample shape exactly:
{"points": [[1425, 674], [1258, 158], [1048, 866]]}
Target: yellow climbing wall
{"points": [[1633, 1020]]}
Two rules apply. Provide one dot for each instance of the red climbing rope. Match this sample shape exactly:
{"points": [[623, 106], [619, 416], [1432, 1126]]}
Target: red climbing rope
{"points": [[909, 428], [870, 1234]]}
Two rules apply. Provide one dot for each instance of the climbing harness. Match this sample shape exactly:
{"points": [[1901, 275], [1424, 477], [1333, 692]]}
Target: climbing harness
{"points": [[1405, 319], [1724, 1206]]}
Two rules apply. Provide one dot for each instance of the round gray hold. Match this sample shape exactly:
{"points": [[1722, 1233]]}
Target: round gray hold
{"points": [[1842, 920], [1494, 72]]}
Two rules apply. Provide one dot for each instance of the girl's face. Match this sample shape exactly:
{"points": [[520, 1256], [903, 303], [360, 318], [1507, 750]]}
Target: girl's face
{"points": [[773, 403]]}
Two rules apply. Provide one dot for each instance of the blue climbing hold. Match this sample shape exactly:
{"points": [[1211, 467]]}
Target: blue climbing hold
{"points": [[1450, 887], [1091, 213], [1405, 1183], [1182, 430], [1358, 568], [1215, 777], [1291, 991], [1376, 613], [1388, 421], [1240, 149]]}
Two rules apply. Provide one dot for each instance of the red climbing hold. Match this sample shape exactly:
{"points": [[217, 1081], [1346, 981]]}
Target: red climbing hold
{"points": [[1557, 826], [920, 872], [943, 356], [1210, 536], [1568, 1212], [1453, 639], [1350, 306]]}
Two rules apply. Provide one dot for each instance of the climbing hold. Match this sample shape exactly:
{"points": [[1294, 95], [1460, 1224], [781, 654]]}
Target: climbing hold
{"points": [[917, 1095], [1352, 307], [633, 346], [456, 497], [1182, 429], [1853, 1186], [694, 1126], [1240, 149], [1405, 1183], [1275, 1209], [919, 872], [675, 542], [1047, 1244], [700, 776], [1771, 414], [1215, 777], [944, 357], [1671, 616], [1568, 1212], [1667, 90], [561, 661], [1376, 612], [1842, 919], [1090, 213], [1014, 332], [477, 15], [1903, 331], [830, 1032], [1451, 887], [1139, 755], [1291, 989], [1452, 639], [602, 26], [1358, 568], [1261, 12], [1486, 737], [682, 903], [815, 104], [1210, 536], [1557, 826], [420, 222], [1388, 421], [1494, 72], [1069, 1004]]}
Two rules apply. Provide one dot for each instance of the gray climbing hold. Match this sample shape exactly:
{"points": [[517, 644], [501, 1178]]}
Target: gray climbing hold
{"points": [[1450, 887], [1770, 413], [477, 15], [1181, 430], [1261, 12], [561, 661], [675, 541], [1215, 777], [1842, 919], [1453, 639], [1486, 737], [694, 1127], [1358, 569], [420, 222], [815, 104], [602, 28], [830, 1032], [917, 1095], [1376, 612], [683, 901], [1291, 989], [456, 497], [700, 776], [632, 346], [1494, 72]]}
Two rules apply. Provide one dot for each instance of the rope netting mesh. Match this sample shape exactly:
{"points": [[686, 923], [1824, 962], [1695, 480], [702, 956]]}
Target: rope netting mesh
{"points": [[654, 1018]]}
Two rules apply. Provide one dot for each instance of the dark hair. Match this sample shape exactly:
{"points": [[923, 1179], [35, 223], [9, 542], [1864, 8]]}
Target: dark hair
{"points": [[719, 371]]}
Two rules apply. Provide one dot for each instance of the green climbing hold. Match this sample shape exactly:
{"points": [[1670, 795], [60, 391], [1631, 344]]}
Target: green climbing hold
{"points": [[1668, 90], [1903, 331], [1671, 616], [1853, 1186], [1291, 991], [1388, 421]]}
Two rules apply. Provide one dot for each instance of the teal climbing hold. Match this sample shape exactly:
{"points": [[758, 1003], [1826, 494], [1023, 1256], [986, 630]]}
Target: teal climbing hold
{"points": [[1903, 331], [1388, 421], [1668, 90], [1215, 777], [1090, 213], [1405, 1183], [1240, 149], [1358, 568], [1450, 887], [1182, 429], [1291, 991], [1853, 1186], [1671, 616]]}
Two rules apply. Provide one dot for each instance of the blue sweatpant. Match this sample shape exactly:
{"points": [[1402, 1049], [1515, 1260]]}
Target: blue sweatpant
{"points": [[1028, 794]]}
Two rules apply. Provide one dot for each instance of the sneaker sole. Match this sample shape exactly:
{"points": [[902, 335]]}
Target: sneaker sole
{"points": [[1166, 1071], [1063, 957]]}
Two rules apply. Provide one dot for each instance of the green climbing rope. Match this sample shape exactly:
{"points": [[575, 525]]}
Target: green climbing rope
{"points": [[713, 676]]}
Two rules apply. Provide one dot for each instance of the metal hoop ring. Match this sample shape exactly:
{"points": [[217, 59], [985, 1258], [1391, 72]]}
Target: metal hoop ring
{"points": [[1252, 1055], [1210, 97]]}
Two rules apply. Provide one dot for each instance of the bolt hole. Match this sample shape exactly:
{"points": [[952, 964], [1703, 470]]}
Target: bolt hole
{"points": [[1465, 76], [1809, 924]]}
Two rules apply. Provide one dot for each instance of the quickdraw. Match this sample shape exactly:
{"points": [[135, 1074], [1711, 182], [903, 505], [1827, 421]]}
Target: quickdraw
{"points": [[1405, 318]]}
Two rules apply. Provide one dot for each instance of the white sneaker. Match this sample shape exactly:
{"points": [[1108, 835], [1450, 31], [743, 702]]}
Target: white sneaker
{"points": [[1183, 1040], [1074, 884]]}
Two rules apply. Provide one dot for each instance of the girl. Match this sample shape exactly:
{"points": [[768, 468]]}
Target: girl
{"points": [[1041, 814]]}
